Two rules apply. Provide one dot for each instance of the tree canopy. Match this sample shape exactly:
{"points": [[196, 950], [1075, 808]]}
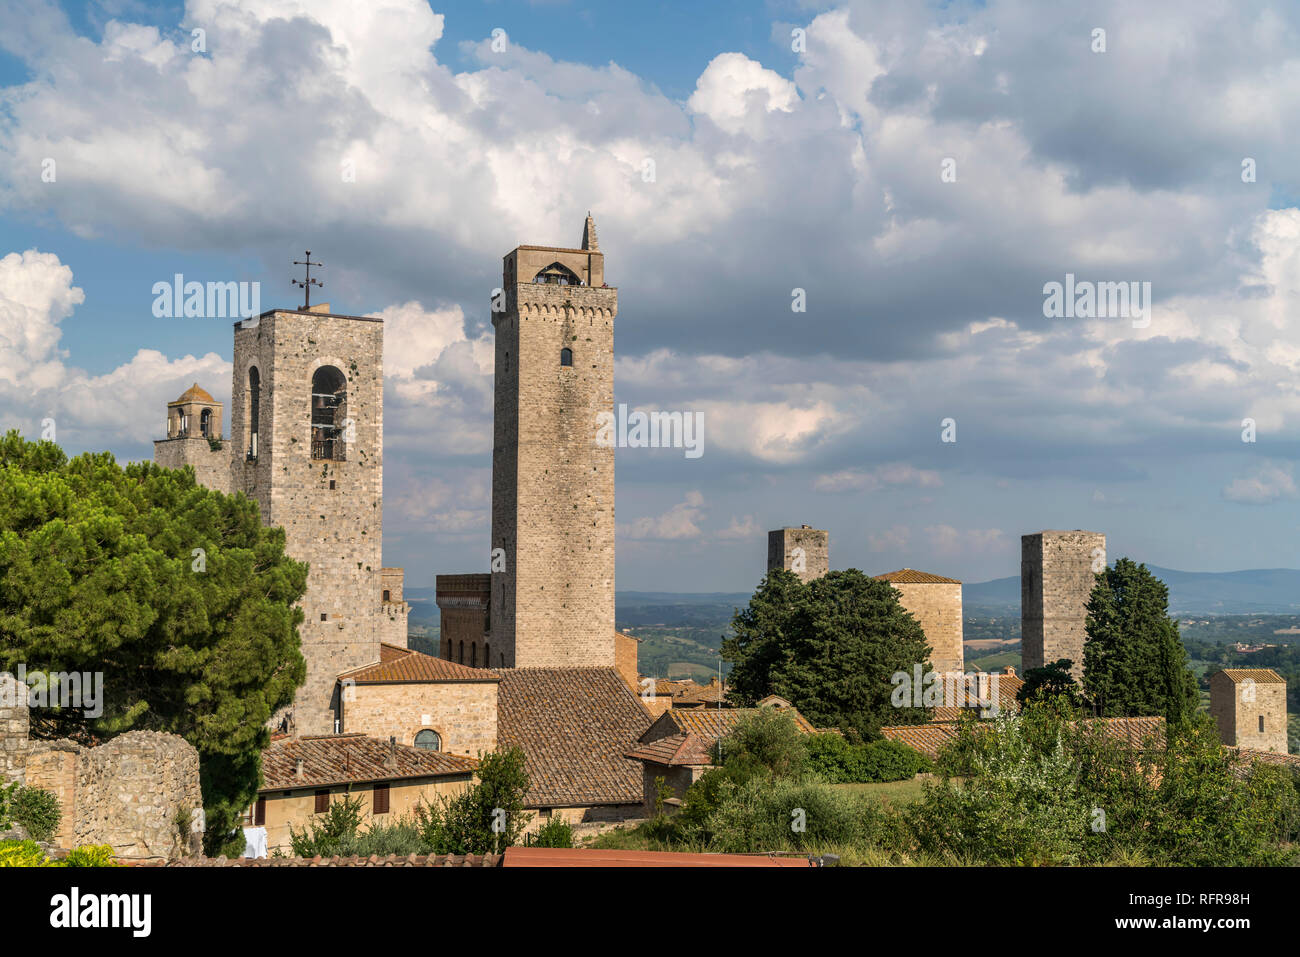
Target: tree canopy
{"points": [[830, 647], [177, 594], [1133, 660]]}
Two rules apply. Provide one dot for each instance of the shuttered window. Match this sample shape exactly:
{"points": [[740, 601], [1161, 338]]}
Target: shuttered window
{"points": [[259, 812], [381, 798], [322, 801]]}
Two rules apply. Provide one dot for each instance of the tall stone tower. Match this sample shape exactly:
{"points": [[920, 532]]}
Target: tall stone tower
{"points": [[806, 551], [552, 585], [1056, 579], [307, 427], [194, 438]]}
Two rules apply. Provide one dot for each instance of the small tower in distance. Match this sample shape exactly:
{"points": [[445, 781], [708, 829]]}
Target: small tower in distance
{"points": [[804, 550], [194, 438], [1249, 706], [1057, 570]]}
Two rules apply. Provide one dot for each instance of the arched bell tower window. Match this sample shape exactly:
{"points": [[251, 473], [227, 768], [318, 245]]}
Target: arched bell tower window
{"points": [[558, 275], [566, 357], [254, 408], [329, 400], [205, 423]]}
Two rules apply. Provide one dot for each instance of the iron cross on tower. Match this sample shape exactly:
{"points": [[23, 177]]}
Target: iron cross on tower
{"points": [[308, 282]]}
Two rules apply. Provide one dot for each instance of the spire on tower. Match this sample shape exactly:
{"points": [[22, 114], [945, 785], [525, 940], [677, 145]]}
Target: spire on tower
{"points": [[589, 235]]}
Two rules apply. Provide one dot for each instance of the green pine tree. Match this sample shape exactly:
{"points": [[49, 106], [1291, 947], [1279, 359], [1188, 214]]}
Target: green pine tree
{"points": [[1134, 662], [177, 594], [830, 647]]}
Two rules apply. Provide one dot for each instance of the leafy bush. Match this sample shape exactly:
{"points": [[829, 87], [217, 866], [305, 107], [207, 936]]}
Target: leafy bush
{"points": [[783, 815], [328, 833], [23, 854], [92, 855], [485, 818], [556, 832], [36, 810], [834, 759]]}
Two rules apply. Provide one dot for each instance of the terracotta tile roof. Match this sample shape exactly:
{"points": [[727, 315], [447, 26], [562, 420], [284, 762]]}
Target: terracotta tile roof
{"points": [[329, 759], [712, 723], [1269, 757], [676, 749], [398, 664], [910, 576], [687, 737], [926, 738], [518, 856], [1257, 675], [195, 394], [929, 738], [392, 860], [575, 726]]}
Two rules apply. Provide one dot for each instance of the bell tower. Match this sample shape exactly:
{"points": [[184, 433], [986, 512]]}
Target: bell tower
{"points": [[551, 601]]}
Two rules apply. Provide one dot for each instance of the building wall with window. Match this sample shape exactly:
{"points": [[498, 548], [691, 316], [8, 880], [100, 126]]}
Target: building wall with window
{"points": [[323, 484], [463, 714], [1249, 707], [278, 810]]}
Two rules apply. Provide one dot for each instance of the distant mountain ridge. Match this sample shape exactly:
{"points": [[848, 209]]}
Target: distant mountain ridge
{"points": [[1259, 591]]}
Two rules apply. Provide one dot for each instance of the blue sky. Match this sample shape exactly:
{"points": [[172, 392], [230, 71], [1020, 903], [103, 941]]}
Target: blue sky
{"points": [[776, 169]]}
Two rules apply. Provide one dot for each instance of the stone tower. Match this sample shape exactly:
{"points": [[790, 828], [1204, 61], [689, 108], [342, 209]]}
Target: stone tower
{"points": [[1056, 579], [935, 603], [194, 438], [1249, 706], [805, 551], [307, 430], [552, 585]]}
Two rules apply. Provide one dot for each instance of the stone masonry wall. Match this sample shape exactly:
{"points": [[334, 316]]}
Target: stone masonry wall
{"points": [[125, 793], [1056, 580], [463, 713], [331, 510], [14, 727], [552, 485], [937, 608], [211, 467], [781, 545]]}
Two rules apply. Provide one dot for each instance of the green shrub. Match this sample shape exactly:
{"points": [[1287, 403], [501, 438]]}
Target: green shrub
{"points": [[556, 832], [327, 833], [784, 814], [835, 760], [36, 810], [23, 854], [91, 855]]}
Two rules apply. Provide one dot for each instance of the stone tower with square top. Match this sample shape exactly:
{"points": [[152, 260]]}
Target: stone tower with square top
{"points": [[1057, 572], [551, 601], [307, 430], [805, 551]]}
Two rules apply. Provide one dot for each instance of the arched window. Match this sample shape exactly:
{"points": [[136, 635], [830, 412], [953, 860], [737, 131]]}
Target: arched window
{"points": [[254, 409], [558, 275], [428, 740], [473, 655], [487, 654], [205, 423], [462, 652], [566, 357], [329, 400]]}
